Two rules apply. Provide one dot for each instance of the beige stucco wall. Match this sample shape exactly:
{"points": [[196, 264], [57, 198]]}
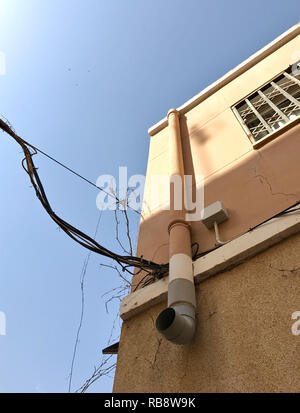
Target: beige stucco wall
{"points": [[243, 341]]}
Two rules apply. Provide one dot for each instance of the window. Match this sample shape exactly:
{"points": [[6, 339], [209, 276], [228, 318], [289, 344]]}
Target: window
{"points": [[271, 107]]}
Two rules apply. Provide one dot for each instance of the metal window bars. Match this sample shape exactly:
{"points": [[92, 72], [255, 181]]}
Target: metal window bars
{"points": [[270, 107]]}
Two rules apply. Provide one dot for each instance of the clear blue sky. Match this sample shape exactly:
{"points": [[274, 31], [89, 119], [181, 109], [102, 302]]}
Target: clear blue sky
{"points": [[85, 79]]}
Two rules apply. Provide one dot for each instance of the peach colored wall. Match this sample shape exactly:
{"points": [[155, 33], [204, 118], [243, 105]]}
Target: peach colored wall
{"points": [[243, 341], [254, 184]]}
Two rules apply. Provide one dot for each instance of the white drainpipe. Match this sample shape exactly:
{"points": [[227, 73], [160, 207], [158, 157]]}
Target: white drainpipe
{"points": [[177, 322]]}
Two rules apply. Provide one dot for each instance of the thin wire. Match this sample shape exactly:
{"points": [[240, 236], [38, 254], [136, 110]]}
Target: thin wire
{"points": [[82, 279], [76, 173], [154, 269], [287, 212], [284, 212], [81, 238]]}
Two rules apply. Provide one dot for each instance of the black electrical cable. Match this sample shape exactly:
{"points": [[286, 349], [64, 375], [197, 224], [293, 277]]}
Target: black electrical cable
{"points": [[75, 173], [288, 210], [150, 267]]}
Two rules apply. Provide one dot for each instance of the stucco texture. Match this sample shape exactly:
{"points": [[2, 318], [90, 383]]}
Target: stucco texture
{"points": [[243, 341]]}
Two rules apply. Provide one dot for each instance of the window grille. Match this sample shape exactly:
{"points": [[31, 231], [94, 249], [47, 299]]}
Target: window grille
{"points": [[271, 107]]}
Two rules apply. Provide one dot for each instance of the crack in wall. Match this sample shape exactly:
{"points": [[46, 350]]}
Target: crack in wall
{"points": [[286, 271], [153, 362], [264, 180], [186, 367]]}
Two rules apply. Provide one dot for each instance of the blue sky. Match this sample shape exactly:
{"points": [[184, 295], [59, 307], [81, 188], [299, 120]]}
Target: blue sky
{"points": [[84, 81]]}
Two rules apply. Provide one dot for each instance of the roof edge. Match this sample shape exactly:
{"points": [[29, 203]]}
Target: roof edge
{"points": [[231, 75]]}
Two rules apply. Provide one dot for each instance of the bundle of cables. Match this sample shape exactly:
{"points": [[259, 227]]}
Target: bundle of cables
{"points": [[127, 263]]}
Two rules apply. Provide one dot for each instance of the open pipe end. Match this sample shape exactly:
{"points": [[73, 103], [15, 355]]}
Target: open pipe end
{"points": [[165, 319], [179, 328]]}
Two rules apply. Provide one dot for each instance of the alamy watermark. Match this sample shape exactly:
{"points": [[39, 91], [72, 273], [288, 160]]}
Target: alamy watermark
{"points": [[2, 324], [2, 64], [162, 191]]}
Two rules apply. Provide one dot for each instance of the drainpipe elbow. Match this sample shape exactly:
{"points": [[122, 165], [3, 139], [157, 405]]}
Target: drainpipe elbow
{"points": [[177, 323]]}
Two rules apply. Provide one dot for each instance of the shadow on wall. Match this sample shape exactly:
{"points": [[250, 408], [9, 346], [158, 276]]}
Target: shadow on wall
{"points": [[254, 188]]}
